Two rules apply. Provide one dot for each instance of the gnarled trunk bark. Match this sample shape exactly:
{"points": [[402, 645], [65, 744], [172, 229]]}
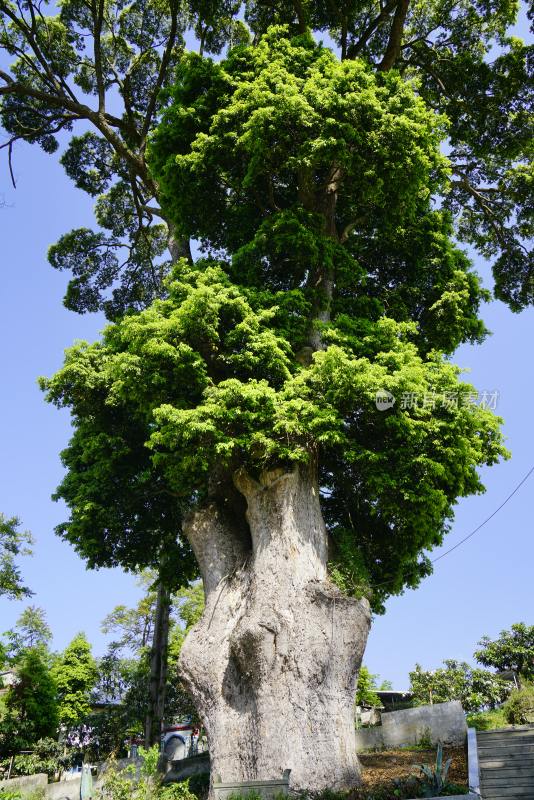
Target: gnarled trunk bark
{"points": [[272, 665]]}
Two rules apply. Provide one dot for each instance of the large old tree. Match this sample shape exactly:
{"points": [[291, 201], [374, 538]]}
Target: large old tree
{"points": [[241, 405]]}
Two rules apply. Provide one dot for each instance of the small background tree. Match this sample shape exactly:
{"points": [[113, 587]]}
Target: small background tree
{"points": [[512, 650], [476, 689], [75, 674], [31, 704], [31, 630], [13, 543]]}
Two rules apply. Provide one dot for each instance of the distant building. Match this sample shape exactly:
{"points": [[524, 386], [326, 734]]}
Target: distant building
{"points": [[394, 701], [367, 715]]}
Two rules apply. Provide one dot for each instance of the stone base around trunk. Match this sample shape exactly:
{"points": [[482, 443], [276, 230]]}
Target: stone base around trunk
{"points": [[267, 790]]}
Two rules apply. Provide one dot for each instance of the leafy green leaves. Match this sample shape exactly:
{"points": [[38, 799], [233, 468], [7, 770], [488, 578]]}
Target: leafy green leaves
{"points": [[319, 192], [207, 382], [270, 145], [75, 675], [13, 542]]}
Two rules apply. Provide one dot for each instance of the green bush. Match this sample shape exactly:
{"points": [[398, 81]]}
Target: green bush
{"points": [[199, 785], [143, 782], [519, 708], [47, 756], [177, 791], [5, 794], [487, 720], [399, 789]]}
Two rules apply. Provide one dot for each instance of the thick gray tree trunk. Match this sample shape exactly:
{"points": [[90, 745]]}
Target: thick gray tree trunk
{"points": [[178, 247], [272, 665]]}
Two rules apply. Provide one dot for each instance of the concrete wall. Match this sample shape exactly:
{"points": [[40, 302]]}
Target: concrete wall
{"points": [[26, 784], [442, 722], [267, 790], [185, 767], [64, 790], [60, 790]]}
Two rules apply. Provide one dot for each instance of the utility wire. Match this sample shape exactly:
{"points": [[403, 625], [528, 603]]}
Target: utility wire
{"points": [[469, 535], [519, 485]]}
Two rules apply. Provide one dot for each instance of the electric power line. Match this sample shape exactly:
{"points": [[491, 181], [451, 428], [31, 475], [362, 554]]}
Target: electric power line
{"points": [[469, 535]]}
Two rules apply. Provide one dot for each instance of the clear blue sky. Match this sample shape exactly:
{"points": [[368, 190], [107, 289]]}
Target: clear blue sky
{"points": [[482, 587]]}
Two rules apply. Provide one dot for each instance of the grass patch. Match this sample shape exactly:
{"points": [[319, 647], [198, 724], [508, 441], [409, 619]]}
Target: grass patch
{"points": [[487, 720]]}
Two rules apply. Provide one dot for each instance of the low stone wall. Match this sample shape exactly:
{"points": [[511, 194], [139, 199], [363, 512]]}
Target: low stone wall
{"points": [[185, 767], [267, 790], [441, 722], [25, 784], [64, 790]]}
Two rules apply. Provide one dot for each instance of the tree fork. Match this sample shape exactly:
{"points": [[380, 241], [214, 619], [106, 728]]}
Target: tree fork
{"points": [[275, 656]]}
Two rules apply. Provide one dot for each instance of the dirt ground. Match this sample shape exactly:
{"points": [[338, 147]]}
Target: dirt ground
{"points": [[386, 766]]}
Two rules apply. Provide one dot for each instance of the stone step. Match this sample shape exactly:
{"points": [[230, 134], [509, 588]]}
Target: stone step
{"points": [[516, 778], [505, 737], [519, 750], [499, 739], [522, 752], [505, 755], [503, 763], [515, 745], [510, 769], [506, 759], [509, 730], [512, 744]]}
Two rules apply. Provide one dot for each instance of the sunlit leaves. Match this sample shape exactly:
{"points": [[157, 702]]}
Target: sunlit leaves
{"points": [[211, 383]]}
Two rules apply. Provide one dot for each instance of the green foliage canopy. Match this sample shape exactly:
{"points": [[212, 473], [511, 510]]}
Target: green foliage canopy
{"points": [[13, 543], [475, 688], [366, 687], [331, 275], [105, 65], [519, 708], [75, 675], [31, 704], [31, 630], [511, 650], [217, 385]]}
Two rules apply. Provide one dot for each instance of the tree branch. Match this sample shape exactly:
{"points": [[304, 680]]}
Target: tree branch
{"points": [[301, 18], [488, 212], [347, 230], [395, 37], [10, 162], [84, 112], [355, 49], [161, 74], [28, 35], [97, 49]]}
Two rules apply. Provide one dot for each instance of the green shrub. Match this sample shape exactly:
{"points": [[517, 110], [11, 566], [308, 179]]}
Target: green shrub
{"points": [[47, 757], [433, 780], [199, 785], [177, 791], [399, 789], [137, 781], [487, 720], [252, 795], [519, 708], [425, 739], [6, 794]]}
